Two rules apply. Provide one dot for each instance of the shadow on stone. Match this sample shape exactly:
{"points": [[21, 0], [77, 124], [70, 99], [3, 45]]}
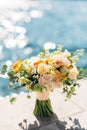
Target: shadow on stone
{"points": [[51, 123], [76, 125], [45, 123]]}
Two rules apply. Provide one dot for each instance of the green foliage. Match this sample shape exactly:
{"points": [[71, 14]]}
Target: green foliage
{"points": [[34, 78], [82, 73], [63, 71], [10, 86], [44, 53], [28, 96], [37, 87], [17, 87], [68, 82], [12, 76], [69, 88], [75, 55], [23, 73], [12, 100], [4, 69]]}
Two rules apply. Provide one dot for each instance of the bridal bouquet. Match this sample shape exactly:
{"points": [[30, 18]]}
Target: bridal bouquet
{"points": [[44, 73]]}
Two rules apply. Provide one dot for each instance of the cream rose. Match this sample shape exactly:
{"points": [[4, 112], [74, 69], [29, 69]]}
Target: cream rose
{"points": [[73, 73], [42, 68]]}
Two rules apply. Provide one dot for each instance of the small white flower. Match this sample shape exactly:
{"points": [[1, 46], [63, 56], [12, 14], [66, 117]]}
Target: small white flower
{"points": [[66, 54]]}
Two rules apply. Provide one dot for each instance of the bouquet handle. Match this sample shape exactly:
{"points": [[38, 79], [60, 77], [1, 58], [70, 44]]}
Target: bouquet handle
{"points": [[43, 107]]}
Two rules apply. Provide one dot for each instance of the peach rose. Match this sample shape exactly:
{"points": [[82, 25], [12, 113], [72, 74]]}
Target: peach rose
{"points": [[60, 60], [45, 78], [58, 84], [50, 85]]}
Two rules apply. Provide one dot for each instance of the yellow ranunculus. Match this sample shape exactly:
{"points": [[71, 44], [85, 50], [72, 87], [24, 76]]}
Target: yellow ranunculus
{"points": [[17, 65]]}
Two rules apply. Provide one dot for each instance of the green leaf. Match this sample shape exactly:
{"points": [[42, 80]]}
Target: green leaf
{"points": [[68, 95], [28, 96], [38, 87], [10, 86], [4, 69], [68, 82], [72, 89], [12, 100], [63, 71], [82, 73], [11, 73], [65, 89], [17, 87]]}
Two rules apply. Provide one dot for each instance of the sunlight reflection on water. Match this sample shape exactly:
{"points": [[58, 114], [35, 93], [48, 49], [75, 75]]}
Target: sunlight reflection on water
{"points": [[14, 16]]}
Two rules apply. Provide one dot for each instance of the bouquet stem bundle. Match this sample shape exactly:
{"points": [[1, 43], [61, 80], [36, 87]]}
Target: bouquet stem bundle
{"points": [[43, 108]]}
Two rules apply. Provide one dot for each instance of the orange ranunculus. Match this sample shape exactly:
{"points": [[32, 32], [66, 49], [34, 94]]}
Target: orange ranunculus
{"points": [[17, 65], [40, 61], [47, 61]]}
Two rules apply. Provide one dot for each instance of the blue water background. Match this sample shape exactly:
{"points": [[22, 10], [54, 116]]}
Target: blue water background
{"points": [[63, 22]]}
